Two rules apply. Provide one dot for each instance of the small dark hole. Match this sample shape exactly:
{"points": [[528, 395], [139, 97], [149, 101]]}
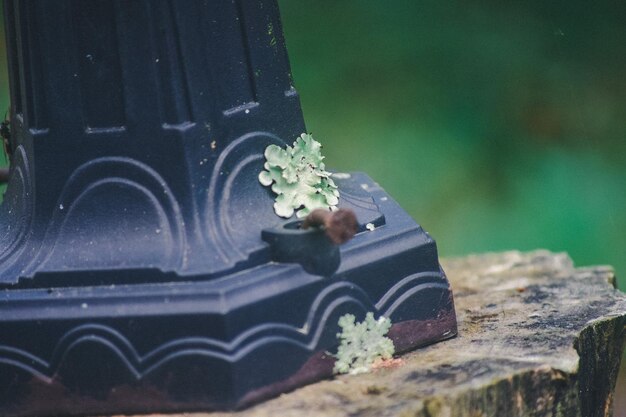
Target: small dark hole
{"points": [[293, 225]]}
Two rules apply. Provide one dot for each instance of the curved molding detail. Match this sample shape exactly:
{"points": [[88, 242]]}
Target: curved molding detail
{"points": [[26, 362], [411, 284], [16, 209], [228, 211], [328, 306], [144, 200], [318, 332]]}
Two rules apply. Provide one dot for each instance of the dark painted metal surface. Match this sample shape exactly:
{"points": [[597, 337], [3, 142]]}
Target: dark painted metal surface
{"points": [[133, 272]]}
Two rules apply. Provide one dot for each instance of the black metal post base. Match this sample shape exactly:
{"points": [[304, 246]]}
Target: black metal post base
{"points": [[142, 267], [224, 343]]}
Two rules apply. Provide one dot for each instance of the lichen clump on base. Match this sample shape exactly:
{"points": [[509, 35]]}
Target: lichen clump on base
{"points": [[362, 344], [299, 178]]}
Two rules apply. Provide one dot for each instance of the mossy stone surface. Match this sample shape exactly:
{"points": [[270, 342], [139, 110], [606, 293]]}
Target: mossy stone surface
{"points": [[537, 337]]}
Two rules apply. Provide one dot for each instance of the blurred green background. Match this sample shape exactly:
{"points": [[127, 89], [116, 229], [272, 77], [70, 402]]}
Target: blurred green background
{"points": [[497, 125]]}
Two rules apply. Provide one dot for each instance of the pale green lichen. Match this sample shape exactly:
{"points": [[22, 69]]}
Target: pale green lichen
{"points": [[361, 344], [299, 178]]}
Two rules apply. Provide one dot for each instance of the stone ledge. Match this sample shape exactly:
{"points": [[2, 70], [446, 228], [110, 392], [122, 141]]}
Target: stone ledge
{"points": [[537, 337]]}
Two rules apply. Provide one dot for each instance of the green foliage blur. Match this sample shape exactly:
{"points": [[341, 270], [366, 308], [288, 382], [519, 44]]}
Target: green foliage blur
{"points": [[496, 125]]}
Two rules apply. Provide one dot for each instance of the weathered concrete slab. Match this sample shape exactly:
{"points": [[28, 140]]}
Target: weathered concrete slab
{"points": [[537, 337]]}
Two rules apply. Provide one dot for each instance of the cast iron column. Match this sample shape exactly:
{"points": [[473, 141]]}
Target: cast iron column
{"points": [[134, 123]]}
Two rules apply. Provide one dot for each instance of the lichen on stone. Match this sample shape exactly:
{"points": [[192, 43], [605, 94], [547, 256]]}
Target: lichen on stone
{"points": [[362, 344]]}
